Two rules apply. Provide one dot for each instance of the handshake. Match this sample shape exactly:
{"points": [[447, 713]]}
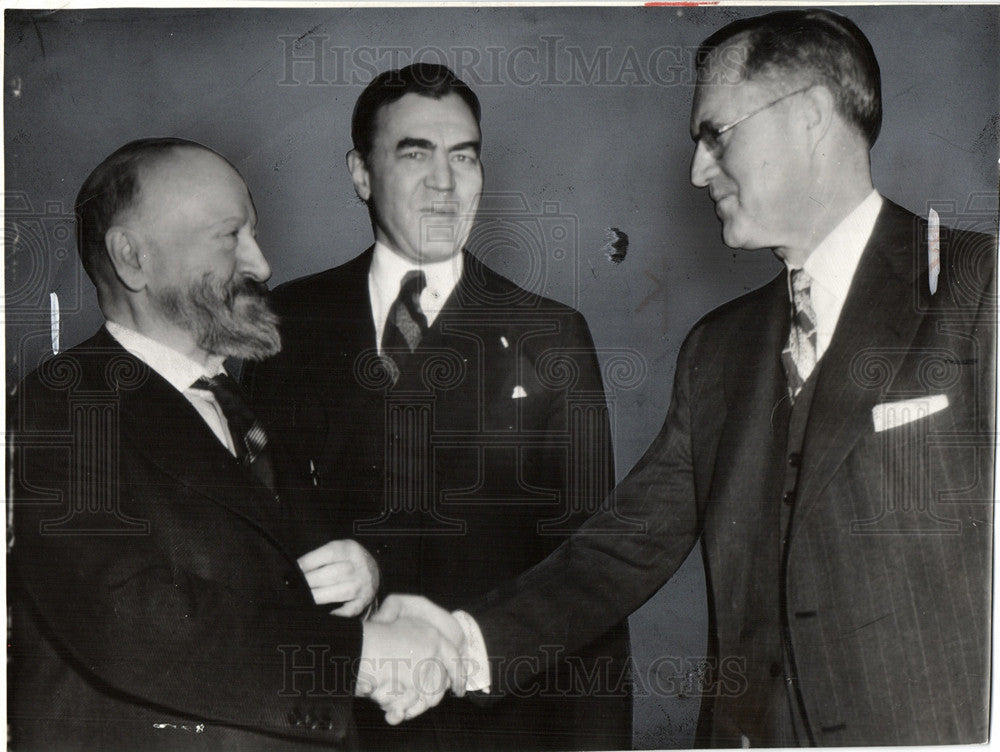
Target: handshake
{"points": [[413, 651]]}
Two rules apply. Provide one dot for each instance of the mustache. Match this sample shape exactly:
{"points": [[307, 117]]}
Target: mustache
{"points": [[245, 287]]}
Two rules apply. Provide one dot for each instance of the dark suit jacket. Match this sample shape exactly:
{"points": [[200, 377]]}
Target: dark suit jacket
{"points": [[884, 578], [158, 604], [458, 479]]}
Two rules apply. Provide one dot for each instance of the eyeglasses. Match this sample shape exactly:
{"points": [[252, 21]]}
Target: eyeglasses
{"points": [[709, 135]]}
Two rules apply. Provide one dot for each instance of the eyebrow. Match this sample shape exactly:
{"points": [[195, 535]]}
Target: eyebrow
{"points": [[236, 219], [419, 143], [422, 143]]}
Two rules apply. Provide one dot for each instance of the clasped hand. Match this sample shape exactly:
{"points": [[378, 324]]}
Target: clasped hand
{"points": [[412, 654], [413, 650]]}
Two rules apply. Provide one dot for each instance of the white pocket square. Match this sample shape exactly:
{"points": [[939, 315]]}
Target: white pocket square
{"points": [[518, 392], [894, 414]]}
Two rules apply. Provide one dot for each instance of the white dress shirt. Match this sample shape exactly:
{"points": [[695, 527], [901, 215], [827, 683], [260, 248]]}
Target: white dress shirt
{"points": [[386, 277], [180, 372], [832, 264]]}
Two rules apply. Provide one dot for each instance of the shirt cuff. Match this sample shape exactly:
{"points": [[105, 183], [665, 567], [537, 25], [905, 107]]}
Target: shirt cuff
{"points": [[477, 661]]}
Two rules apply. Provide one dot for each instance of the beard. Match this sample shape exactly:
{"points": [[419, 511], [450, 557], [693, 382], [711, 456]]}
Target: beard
{"points": [[231, 318]]}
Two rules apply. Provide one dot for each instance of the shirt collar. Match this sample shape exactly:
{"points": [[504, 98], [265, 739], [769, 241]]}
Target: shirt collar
{"points": [[178, 369], [833, 262], [388, 269]]}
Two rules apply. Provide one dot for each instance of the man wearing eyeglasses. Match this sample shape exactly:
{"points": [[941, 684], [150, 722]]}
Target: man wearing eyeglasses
{"points": [[829, 437]]}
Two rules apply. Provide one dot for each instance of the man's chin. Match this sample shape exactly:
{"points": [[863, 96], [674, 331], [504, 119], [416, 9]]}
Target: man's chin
{"points": [[249, 331], [738, 240], [255, 346]]}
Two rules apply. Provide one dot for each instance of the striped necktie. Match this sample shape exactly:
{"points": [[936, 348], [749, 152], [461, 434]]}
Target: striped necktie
{"points": [[406, 324], [249, 438], [799, 355]]}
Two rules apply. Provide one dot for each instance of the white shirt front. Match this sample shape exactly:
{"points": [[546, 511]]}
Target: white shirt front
{"points": [[180, 372], [832, 265], [385, 277]]}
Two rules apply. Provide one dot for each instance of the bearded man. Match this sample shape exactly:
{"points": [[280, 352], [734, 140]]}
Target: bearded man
{"points": [[160, 601]]}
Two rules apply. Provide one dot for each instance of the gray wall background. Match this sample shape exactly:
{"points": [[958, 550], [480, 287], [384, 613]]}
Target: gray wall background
{"points": [[585, 127]]}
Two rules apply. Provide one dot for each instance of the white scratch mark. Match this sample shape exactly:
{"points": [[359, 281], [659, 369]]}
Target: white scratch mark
{"points": [[199, 729], [54, 321], [933, 249]]}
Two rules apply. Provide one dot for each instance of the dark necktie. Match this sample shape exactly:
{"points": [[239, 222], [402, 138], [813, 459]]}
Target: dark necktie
{"points": [[799, 355], [249, 438], [406, 324]]}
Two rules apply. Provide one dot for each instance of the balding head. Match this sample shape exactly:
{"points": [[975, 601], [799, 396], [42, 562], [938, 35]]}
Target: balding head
{"points": [[112, 188], [167, 231]]}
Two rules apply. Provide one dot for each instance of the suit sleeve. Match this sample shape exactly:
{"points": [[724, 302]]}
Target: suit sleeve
{"points": [[198, 613], [608, 568]]}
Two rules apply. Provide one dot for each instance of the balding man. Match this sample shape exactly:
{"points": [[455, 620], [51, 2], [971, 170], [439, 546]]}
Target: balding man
{"points": [[830, 436], [160, 602]]}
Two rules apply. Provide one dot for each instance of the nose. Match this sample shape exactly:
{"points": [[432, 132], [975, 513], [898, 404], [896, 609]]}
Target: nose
{"points": [[441, 176], [703, 165], [252, 260]]}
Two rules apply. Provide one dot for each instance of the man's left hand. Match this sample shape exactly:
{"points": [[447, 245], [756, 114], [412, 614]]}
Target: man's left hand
{"points": [[341, 571]]}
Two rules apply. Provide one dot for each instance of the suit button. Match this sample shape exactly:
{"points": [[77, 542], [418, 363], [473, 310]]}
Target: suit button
{"points": [[789, 497], [795, 459], [294, 719], [775, 670]]}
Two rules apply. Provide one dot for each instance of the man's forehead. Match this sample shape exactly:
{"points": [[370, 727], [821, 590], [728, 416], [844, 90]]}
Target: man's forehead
{"points": [[413, 112]]}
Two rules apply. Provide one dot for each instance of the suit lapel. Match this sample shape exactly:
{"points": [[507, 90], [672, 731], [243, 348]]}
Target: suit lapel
{"points": [[752, 436], [160, 424], [342, 319], [877, 324], [358, 333]]}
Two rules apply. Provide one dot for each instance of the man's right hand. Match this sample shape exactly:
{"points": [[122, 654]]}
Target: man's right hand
{"points": [[407, 666]]}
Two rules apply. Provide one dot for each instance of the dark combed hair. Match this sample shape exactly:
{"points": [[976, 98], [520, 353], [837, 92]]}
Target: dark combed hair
{"points": [[112, 188], [818, 45], [426, 79]]}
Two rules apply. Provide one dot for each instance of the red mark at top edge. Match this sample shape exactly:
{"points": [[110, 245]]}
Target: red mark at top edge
{"points": [[679, 4]]}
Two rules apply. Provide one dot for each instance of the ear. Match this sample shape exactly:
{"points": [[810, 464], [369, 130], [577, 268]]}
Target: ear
{"points": [[123, 250], [819, 111], [359, 174]]}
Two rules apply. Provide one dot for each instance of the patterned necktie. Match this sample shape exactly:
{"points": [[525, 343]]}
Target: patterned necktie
{"points": [[406, 324], [799, 355], [249, 438]]}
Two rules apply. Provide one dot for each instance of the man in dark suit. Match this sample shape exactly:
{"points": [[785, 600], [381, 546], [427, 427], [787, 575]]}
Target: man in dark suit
{"points": [[830, 435], [160, 599], [460, 419]]}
